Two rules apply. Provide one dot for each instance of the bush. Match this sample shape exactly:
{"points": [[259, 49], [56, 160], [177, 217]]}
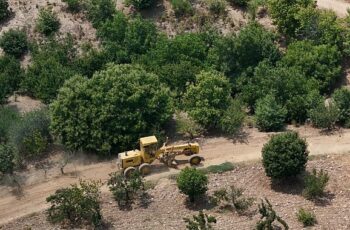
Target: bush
{"points": [[217, 7], [140, 4], [315, 184], [6, 159], [5, 12], [192, 183], [284, 155], [48, 22], [306, 218], [14, 42], [30, 135], [73, 5], [206, 100], [234, 198], [232, 120], [9, 117], [182, 7], [341, 98], [324, 116], [270, 116], [92, 114], [77, 205], [99, 11], [187, 126], [125, 189], [240, 3], [201, 221], [268, 216], [10, 76]]}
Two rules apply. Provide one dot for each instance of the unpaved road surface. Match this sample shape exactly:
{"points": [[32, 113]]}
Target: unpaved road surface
{"points": [[214, 150], [338, 6]]}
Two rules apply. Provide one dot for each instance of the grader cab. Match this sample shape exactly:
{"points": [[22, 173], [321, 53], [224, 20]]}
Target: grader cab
{"points": [[142, 159]]}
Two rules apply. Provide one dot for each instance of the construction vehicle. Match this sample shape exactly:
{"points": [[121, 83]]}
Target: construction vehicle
{"points": [[141, 159]]}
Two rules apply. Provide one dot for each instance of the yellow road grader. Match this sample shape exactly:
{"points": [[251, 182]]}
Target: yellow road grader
{"points": [[142, 159]]}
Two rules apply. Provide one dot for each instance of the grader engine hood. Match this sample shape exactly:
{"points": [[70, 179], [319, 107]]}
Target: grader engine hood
{"points": [[129, 158]]}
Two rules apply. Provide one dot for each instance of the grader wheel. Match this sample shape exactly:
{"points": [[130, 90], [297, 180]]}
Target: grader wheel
{"points": [[145, 169], [195, 160], [129, 171]]}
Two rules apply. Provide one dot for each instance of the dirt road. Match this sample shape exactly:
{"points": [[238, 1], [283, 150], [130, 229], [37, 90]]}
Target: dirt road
{"points": [[338, 6], [214, 150]]}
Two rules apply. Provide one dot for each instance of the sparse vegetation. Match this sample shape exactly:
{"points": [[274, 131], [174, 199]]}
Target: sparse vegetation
{"points": [[73, 5], [217, 7], [201, 221], [140, 4], [14, 42], [315, 184], [192, 183], [307, 218], [268, 217], [187, 126], [182, 7], [221, 168], [324, 116], [48, 22]]}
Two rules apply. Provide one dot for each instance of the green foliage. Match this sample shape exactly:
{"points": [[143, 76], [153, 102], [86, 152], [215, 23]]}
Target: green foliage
{"points": [[192, 183], [268, 217], [221, 168], [315, 184], [6, 159], [240, 3], [217, 7], [201, 221], [233, 198], [319, 62], [125, 189], [9, 117], [5, 12], [324, 116], [30, 135], [99, 11], [14, 42], [206, 100], [233, 54], [341, 98], [187, 126], [73, 5], [181, 7], [284, 155], [306, 218], [77, 205], [270, 116], [140, 4], [92, 114], [231, 121], [48, 22], [11, 75]]}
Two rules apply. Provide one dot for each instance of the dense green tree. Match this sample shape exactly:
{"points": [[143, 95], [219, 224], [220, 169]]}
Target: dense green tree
{"points": [[325, 115], [207, 99], [270, 116], [14, 42], [99, 11], [284, 155], [6, 159], [140, 4], [192, 183], [232, 119], [110, 111], [11, 75], [341, 98], [5, 11], [48, 22], [73, 5], [9, 117]]}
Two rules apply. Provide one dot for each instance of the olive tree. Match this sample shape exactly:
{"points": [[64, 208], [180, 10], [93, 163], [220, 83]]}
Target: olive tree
{"points": [[192, 183], [14, 42], [11, 75], [110, 111], [48, 22], [341, 98]]}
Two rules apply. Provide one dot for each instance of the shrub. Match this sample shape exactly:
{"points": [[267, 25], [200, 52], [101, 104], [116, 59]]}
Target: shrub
{"points": [[234, 198], [306, 218], [284, 155], [341, 98], [140, 4], [315, 184], [270, 116], [5, 12], [324, 116], [99, 11], [125, 189], [48, 22], [73, 5], [201, 221], [206, 100], [92, 114], [30, 135], [268, 216], [182, 7], [9, 117], [217, 7], [14, 42], [77, 205], [232, 120], [10, 76], [192, 183], [187, 126], [6, 159], [240, 3]]}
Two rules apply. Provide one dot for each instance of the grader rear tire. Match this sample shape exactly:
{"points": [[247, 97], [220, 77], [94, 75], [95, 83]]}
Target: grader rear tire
{"points": [[145, 169], [129, 171], [195, 160]]}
